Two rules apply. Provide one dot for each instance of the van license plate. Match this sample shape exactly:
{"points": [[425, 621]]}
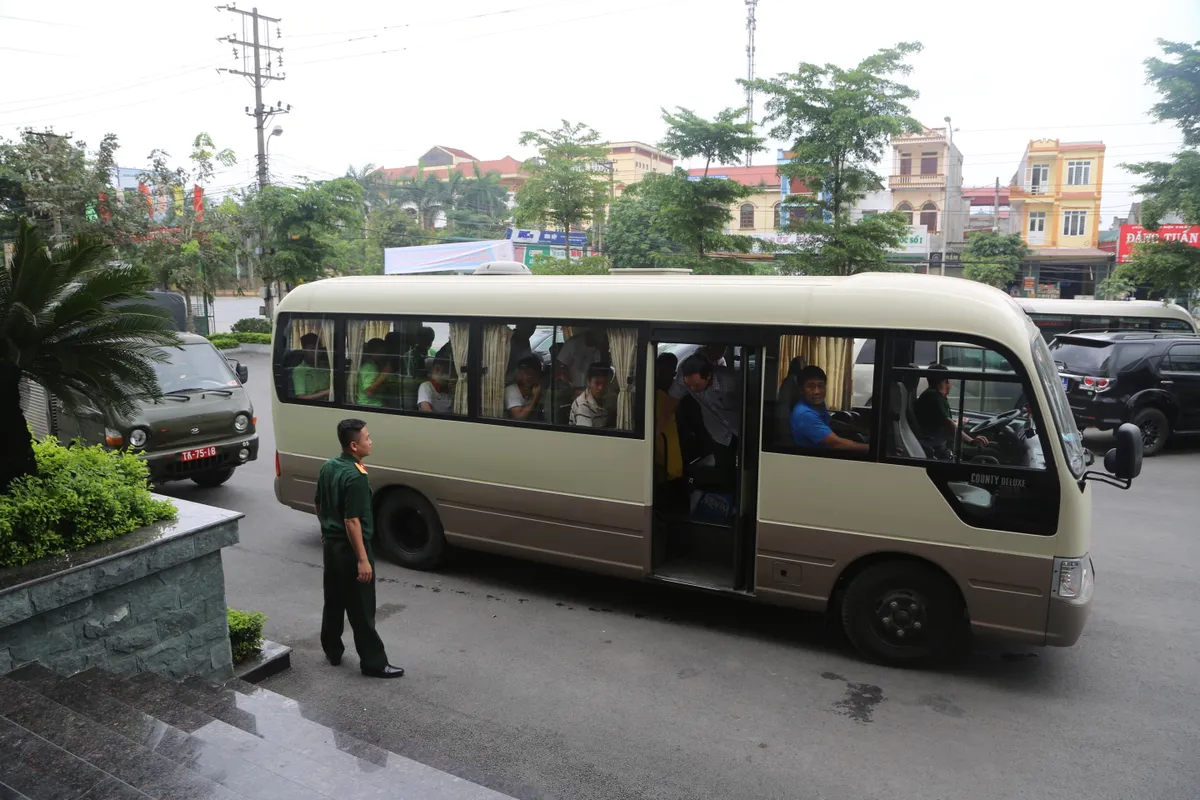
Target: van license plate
{"points": [[198, 453]]}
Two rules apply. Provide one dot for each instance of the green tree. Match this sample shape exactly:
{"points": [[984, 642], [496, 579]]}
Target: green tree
{"points": [[633, 237], [545, 264], [307, 227], [59, 328], [562, 189], [694, 213], [840, 123], [724, 139], [994, 259], [1170, 268]]}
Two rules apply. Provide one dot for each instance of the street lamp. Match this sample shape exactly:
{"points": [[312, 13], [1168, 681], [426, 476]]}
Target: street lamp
{"points": [[946, 193], [276, 131]]}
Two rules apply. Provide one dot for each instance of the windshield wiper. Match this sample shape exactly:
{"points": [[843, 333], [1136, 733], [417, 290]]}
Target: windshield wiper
{"points": [[185, 392], [225, 392], [183, 398]]}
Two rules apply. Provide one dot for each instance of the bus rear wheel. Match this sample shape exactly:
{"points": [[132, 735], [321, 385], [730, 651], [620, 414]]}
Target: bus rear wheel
{"points": [[904, 614], [410, 531]]}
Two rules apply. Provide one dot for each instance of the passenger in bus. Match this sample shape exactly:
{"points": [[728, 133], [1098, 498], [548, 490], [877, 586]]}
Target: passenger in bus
{"points": [[522, 397], [518, 348], [434, 395], [590, 409], [668, 456], [577, 356], [415, 356], [374, 374], [810, 418], [717, 392], [309, 380], [936, 419]]}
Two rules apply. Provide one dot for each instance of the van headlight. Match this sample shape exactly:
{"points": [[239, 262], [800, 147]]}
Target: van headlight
{"points": [[1073, 579], [138, 437], [241, 423]]}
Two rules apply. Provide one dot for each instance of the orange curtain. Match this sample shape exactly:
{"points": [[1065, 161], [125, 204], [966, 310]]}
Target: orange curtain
{"points": [[832, 354]]}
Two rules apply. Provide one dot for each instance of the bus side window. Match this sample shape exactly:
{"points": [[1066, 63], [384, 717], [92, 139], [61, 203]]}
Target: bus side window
{"points": [[304, 359]]}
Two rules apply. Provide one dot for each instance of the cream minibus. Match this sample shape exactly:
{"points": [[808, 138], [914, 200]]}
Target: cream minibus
{"points": [[1063, 316], [914, 520]]}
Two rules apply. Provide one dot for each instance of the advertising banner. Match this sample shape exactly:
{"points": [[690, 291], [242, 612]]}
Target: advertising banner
{"points": [[1133, 235]]}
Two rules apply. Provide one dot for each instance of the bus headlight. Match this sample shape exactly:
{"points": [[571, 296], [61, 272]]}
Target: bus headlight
{"points": [[241, 423], [137, 438], [1073, 579]]}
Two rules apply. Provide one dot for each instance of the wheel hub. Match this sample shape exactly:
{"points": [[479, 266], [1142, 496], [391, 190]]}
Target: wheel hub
{"points": [[901, 615]]}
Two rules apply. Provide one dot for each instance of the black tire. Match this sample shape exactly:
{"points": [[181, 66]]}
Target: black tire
{"points": [[213, 478], [904, 614], [1155, 427], [409, 530]]}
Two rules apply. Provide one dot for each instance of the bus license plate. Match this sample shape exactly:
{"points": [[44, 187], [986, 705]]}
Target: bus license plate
{"points": [[198, 453], [1066, 384]]}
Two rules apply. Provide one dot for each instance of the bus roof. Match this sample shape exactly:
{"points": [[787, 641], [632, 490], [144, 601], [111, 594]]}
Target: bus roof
{"points": [[867, 300], [1099, 308]]}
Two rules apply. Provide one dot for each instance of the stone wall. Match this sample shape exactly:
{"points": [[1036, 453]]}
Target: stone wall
{"points": [[153, 600]]}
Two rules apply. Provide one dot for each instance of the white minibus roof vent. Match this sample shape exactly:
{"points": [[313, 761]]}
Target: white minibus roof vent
{"points": [[649, 271], [502, 268]]}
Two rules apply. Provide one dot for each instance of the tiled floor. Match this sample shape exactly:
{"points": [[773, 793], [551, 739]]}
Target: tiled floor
{"points": [[94, 736]]}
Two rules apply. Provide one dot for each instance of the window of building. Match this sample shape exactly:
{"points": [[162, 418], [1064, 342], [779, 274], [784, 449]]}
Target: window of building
{"points": [[747, 215], [1038, 176], [1074, 223], [869, 212], [304, 359], [906, 163], [810, 396], [580, 376], [1079, 173], [929, 163], [907, 211], [1037, 221], [406, 364], [775, 221], [929, 217]]}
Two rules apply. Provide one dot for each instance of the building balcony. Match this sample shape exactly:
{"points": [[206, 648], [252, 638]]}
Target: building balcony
{"points": [[927, 136], [1043, 191], [917, 181]]}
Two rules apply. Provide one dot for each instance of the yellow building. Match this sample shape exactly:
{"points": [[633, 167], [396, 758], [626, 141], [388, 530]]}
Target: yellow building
{"points": [[1055, 193], [631, 160], [926, 183], [758, 214]]}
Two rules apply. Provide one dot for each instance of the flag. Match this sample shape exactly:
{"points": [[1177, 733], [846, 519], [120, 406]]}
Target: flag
{"points": [[198, 203], [105, 214], [178, 198], [145, 191]]}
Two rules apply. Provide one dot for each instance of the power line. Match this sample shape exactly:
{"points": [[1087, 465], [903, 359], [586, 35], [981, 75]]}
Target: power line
{"points": [[40, 21], [439, 22]]}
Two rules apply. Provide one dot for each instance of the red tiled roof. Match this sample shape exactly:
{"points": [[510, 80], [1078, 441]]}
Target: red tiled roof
{"points": [[747, 176], [503, 166], [984, 195], [454, 151]]}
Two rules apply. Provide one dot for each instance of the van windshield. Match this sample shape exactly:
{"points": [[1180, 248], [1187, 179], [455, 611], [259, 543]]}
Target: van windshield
{"points": [[1060, 409], [194, 366]]}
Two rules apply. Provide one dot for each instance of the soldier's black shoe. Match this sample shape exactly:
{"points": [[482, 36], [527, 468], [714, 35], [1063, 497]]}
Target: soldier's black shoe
{"points": [[333, 660], [387, 672]]}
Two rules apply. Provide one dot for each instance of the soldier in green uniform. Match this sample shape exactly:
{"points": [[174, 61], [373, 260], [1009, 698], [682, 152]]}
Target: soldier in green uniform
{"points": [[343, 505]]}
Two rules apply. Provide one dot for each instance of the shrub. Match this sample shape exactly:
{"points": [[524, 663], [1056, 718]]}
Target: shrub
{"points": [[80, 496], [252, 325], [245, 633], [229, 340]]}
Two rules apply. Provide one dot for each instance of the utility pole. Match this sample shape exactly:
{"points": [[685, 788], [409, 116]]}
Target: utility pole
{"points": [[751, 24], [996, 208], [252, 52], [946, 196]]}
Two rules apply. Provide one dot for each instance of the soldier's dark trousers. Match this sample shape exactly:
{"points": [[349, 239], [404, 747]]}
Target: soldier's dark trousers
{"points": [[346, 598]]}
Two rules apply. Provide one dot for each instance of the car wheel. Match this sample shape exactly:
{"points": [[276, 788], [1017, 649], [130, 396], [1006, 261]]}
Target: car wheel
{"points": [[212, 478], [904, 614], [410, 530], [1155, 429]]}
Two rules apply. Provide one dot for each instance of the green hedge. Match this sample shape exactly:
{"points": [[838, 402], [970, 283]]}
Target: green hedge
{"points": [[245, 633], [81, 495], [227, 341], [252, 325]]}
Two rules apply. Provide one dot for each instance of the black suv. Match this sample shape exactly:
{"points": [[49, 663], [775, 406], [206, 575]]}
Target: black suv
{"points": [[1149, 379]]}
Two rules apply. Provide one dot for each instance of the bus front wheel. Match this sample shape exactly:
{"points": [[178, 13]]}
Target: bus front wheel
{"points": [[410, 531], [904, 614]]}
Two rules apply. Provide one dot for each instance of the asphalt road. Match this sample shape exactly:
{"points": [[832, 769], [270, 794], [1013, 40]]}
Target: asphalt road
{"points": [[540, 682]]}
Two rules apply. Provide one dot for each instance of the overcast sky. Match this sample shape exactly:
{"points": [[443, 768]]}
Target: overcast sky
{"points": [[473, 74]]}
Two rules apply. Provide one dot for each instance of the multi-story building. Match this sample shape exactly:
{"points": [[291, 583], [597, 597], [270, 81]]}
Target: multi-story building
{"points": [[758, 214], [632, 160], [926, 184], [439, 161], [1055, 193]]}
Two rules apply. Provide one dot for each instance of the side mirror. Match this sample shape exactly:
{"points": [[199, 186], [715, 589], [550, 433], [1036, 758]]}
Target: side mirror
{"points": [[1125, 460], [243, 372]]}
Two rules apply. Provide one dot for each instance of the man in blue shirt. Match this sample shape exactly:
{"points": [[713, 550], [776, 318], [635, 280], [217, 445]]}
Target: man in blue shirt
{"points": [[810, 419]]}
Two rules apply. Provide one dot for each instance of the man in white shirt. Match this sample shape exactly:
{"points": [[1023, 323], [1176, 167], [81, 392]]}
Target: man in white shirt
{"points": [[522, 398], [717, 391], [577, 355], [589, 409], [433, 396]]}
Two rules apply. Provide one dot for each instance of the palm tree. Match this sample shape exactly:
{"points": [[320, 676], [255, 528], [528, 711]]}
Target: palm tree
{"points": [[59, 327], [424, 194]]}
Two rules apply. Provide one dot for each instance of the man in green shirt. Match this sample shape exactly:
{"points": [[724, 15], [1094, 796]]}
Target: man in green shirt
{"points": [[309, 380], [343, 505], [937, 423]]}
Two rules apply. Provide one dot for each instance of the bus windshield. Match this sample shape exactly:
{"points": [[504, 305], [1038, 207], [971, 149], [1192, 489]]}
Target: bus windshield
{"points": [[1060, 409]]}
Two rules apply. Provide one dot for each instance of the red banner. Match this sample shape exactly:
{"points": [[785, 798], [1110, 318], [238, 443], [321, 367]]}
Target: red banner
{"points": [[198, 203], [1133, 235]]}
